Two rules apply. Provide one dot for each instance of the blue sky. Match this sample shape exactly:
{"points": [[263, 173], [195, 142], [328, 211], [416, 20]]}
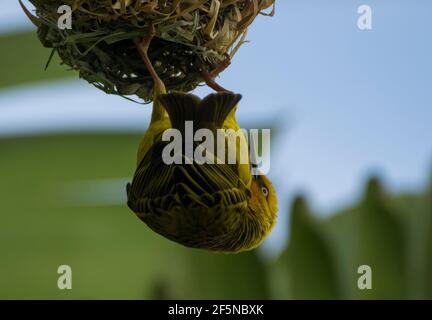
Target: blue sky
{"points": [[347, 103]]}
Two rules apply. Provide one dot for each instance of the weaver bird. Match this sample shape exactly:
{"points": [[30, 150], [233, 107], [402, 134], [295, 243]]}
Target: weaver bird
{"points": [[220, 207]]}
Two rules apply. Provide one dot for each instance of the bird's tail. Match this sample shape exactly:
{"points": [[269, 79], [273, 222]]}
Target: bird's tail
{"points": [[207, 113]]}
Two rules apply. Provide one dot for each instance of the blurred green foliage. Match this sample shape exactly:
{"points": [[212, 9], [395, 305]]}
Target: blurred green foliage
{"points": [[23, 60], [44, 224], [390, 234], [307, 265]]}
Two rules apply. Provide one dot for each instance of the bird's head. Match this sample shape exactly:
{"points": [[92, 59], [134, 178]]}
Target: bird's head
{"points": [[263, 202]]}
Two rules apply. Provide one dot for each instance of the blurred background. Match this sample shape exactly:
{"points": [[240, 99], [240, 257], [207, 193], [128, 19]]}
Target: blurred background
{"points": [[350, 113]]}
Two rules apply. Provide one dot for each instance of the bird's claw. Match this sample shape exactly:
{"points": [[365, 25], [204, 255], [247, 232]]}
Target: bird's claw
{"points": [[209, 77]]}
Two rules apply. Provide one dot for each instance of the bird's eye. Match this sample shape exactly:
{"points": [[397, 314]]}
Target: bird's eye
{"points": [[264, 191]]}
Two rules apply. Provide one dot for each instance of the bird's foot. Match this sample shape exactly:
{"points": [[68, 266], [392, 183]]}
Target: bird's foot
{"points": [[209, 77], [143, 47]]}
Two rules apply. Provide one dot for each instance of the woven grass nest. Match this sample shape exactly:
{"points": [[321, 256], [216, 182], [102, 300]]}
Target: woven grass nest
{"points": [[190, 34]]}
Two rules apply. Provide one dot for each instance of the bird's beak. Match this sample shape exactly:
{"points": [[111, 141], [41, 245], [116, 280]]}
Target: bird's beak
{"points": [[249, 193]]}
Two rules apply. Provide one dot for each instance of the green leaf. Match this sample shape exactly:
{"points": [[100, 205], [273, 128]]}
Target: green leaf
{"points": [[306, 269], [379, 243]]}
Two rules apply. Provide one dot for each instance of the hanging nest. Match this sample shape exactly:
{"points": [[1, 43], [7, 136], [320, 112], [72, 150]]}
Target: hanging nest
{"points": [[190, 34]]}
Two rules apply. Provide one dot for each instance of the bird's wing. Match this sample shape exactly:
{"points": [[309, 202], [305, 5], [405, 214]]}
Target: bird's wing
{"points": [[158, 124], [185, 184], [153, 133], [243, 169]]}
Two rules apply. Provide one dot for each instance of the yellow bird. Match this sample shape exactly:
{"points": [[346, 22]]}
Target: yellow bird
{"points": [[219, 206]]}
